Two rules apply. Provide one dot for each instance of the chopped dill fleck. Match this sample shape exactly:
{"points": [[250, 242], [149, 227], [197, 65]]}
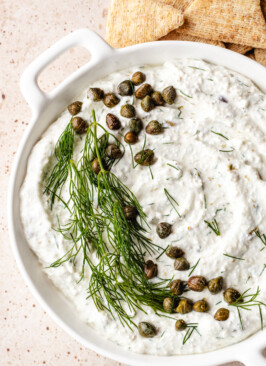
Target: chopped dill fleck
{"points": [[193, 268], [232, 149], [191, 327], [186, 95], [262, 237], [213, 225], [218, 133], [162, 252], [172, 201], [231, 256], [263, 269], [197, 68]]}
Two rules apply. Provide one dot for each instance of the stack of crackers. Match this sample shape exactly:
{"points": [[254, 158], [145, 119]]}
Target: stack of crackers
{"points": [[235, 24]]}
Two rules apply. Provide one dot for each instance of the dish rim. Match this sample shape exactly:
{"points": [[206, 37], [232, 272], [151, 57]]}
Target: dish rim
{"points": [[249, 350]]}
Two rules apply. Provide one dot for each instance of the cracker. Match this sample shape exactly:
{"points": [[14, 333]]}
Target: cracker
{"points": [[233, 21], [178, 4], [239, 48], [176, 36], [251, 55], [260, 56], [137, 21], [263, 7]]}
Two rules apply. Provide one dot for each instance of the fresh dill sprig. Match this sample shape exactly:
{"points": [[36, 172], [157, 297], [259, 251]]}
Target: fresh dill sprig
{"points": [[63, 153], [231, 256], [172, 201], [213, 225], [217, 133], [193, 267], [121, 245], [247, 301], [191, 328]]}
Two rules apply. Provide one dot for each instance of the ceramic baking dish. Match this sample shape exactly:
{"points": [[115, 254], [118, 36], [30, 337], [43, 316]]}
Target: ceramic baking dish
{"points": [[45, 109]]}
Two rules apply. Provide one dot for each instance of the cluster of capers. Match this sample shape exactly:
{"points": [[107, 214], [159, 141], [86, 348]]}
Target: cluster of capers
{"points": [[185, 305], [79, 124], [176, 253]]}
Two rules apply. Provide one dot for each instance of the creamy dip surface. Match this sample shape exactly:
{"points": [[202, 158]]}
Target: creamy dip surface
{"points": [[215, 136]]}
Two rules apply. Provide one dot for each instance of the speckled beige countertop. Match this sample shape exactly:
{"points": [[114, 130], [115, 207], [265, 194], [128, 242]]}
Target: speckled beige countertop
{"points": [[27, 27]]}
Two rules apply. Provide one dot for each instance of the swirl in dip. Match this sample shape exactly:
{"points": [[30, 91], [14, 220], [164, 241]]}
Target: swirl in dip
{"points": [[211, 159]]}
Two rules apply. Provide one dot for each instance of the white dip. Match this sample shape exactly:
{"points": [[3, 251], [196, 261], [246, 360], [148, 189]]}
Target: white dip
{"points": [[223, 179]]}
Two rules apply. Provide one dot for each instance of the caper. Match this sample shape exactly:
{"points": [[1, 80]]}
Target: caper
{"points": [[144, 157], [96, 166], [221, 314], [150, 269], [110, 100], [154, 128], [185, 306], [163, 229], [177, 287], [131, 138], [181, 264], [79, 125], [138, 78], [143, 91], [157, 98], [74, 108], [174, 252], [201, 306], [130, 212], [147, 330], [231, 295], [113, 151], [96, 94], [180, 324], [197, 283], [215, 285], [169, 94], [168, 304], [127, 111], [147, 104], [125, 88], [112, 122], [135, 125]]}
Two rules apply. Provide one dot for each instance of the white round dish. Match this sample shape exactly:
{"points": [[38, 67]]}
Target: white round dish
{"points": [[45, 109]]}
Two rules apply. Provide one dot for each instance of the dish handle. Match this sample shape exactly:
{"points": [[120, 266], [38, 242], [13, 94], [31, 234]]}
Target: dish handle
{"points": [[34, 96]]}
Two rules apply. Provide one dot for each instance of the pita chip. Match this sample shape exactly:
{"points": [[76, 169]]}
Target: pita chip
{"points": [[233, 21], [137, 21]]}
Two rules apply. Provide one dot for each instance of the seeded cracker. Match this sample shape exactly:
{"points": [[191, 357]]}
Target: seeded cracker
{"points": [[234, 21], [130, 22], [176, 36]]}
